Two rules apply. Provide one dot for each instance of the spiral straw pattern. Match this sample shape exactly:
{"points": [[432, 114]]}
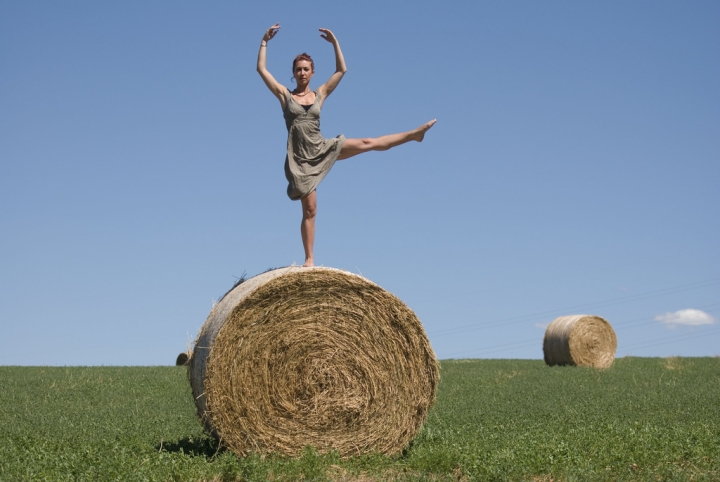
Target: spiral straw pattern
{"points": [[582, 340], [320, 357]]}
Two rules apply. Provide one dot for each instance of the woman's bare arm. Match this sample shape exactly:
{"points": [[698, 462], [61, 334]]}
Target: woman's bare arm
{"points": [[340, 68], [275, 87]]}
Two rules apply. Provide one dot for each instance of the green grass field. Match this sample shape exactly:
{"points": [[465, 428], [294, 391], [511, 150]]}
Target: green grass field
{"points": [[643, 419]]}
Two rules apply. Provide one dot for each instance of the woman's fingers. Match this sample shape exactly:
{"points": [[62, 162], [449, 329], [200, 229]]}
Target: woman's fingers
{"points": [[326, 34], [273, 30]]}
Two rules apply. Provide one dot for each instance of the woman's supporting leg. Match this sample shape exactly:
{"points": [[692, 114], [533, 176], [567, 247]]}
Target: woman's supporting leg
{"points": [[307, 226], [353, 147]]}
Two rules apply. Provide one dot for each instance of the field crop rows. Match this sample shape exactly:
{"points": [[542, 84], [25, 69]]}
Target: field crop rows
{"points": [[643, 419]]}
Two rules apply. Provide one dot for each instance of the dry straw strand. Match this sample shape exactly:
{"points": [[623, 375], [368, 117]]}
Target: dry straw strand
{"points": [[582, 340], [322, 357]]}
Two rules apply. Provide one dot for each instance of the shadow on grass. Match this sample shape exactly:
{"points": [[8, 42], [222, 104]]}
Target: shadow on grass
{"points": [[196, 447]]}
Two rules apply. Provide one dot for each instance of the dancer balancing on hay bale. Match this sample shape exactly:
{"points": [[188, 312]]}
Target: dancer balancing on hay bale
{"points": [[310, 156]]}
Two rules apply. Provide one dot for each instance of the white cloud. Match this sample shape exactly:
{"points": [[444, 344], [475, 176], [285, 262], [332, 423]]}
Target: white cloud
{"points": [[686, 317], [542, 326]]}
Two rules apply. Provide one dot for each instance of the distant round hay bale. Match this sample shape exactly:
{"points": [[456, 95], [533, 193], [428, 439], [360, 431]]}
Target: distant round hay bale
{"points": [[582, 340], [312, 356], [182, 359]]}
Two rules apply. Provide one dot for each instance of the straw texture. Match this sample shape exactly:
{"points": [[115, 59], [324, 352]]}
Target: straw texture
{"points": [[582, 340], [312, 356]]}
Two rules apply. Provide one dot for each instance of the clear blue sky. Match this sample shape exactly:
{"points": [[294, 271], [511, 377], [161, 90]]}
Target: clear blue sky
{"points": [[574, 168]]}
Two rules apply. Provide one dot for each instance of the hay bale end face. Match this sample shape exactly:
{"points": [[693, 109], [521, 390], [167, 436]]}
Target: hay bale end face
{"points": [[312, 356], [582, 340]]}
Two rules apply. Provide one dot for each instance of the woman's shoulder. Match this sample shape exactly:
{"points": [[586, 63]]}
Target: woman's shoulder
{"points": [[319, 96], [285, 101]]}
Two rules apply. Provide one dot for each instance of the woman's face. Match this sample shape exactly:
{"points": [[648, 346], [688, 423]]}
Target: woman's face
{"points": [[303, 72]]}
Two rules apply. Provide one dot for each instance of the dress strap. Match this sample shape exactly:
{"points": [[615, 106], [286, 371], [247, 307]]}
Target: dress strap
{"points": [[288, 97]]}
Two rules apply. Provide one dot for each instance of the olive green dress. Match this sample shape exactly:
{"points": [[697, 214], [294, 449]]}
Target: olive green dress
{"points": [[309, 156]]}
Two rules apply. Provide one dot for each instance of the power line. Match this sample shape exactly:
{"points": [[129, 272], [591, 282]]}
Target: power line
{"points": [[650, 320], [583, 307], [497, 348], [642, 344], [664, 340]]}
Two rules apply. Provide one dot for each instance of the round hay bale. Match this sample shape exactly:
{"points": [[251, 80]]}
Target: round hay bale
{"points": [[320, 357], [582, 340], [182, 359]]}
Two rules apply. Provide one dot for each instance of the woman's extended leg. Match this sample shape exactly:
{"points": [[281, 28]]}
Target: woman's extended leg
{"points": [[353, 147], [307, 226]]}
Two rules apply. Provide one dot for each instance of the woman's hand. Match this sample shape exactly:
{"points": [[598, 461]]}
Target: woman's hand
{"points": [[271, 32], [275, 87], [328, 35], [340, 68]]}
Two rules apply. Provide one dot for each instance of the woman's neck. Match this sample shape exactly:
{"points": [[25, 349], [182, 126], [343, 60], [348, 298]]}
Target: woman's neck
{"points": [[302, 89]]}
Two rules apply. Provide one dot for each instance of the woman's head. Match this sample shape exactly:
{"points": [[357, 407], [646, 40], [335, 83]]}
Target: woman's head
{"points": [[303, 68]]}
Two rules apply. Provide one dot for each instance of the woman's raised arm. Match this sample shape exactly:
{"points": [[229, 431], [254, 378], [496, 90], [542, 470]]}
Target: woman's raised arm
{"points": [[275, 87], [340, 68]]}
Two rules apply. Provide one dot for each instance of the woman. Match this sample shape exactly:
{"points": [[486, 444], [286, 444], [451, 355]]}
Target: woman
{"points": [[309, 155]]}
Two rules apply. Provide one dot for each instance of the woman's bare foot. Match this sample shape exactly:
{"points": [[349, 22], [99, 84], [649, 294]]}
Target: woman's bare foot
{"points": [[419, 133], [309, 263]]}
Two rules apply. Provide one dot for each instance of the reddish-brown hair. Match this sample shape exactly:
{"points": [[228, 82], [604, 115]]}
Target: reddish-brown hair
{"points": [[303, 56]]}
